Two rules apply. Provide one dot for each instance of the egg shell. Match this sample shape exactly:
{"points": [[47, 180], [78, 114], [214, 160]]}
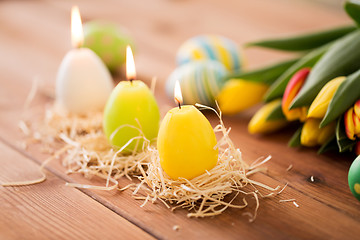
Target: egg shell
{"points": [[200, 81], [213, 47], [108, 41], [83, 82], [354, 178]]}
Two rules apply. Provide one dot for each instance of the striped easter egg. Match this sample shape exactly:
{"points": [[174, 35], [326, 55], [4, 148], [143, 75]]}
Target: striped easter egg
{"points": [[200, 81], [213, 47]]}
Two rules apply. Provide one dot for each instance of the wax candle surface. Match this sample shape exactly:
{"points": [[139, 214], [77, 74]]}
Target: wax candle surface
{"points": [[83, 82], [186, 143], [131, 104]]}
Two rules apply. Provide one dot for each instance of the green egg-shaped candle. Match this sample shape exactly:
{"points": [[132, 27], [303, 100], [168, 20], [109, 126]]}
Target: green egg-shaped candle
{"points": [[108, 41], [354, 178], [131, 112], [130, 109]]}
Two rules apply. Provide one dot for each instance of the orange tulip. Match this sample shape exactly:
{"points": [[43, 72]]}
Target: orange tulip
{"points": [[357, 108], [349, 124], [352, 121], [292, 89]]}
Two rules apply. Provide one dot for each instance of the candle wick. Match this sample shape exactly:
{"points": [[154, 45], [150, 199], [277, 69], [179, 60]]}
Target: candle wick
{"points": [[131, 80], [179, 104]]}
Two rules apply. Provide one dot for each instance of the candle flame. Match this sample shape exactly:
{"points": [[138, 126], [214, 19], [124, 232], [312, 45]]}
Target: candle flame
{"points": [[177, 94], [77, 36], [130, 64]]}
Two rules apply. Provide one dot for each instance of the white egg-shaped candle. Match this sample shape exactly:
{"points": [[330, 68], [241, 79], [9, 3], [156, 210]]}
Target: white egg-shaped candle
{"points": [[83, 82]]}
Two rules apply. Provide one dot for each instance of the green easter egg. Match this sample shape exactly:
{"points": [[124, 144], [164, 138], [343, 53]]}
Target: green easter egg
{"points": [[354, 178], [108, 41]]}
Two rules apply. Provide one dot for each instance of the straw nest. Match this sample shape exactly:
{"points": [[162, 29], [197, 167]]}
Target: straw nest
{"points": [[85, 150], [80, 142], [212, 192]]}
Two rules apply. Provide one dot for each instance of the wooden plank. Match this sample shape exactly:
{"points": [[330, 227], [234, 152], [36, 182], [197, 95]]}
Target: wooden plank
{"points": [[278, 220], [51, 210], [158, 39]]}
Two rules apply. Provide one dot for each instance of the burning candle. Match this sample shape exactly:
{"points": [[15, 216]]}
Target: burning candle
{"points": [[186, 141], [131, 111], [83, 82]]}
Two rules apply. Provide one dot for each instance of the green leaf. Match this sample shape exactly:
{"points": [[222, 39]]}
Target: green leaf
{"points": [[309, 60], [331, 144], [276, 114], [345, 96], [304, 42], [352, 8], [342, 59], [295, 140], [344, 144], [266, 74]]}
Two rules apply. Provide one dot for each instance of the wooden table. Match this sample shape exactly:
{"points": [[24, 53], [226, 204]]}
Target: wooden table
{"points": [[34, 36]]}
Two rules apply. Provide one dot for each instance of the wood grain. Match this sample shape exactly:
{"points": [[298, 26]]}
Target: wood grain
{"points": [[34, 47], [51, 210]]}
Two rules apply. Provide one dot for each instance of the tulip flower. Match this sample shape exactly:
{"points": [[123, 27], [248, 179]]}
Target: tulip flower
{"points": [[259, 124], [352, 121], [312, 135], [320, 104], [352, 125], [357, 108], [238, 95], [292, 89]]}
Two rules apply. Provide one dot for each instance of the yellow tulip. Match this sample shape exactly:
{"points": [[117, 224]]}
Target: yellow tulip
{"points": [[312, 135], [259, 124], [238, 95], [319, 106]]}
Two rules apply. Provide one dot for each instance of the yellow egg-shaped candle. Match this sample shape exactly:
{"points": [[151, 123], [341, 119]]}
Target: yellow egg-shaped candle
{"points": [[186, 143]]}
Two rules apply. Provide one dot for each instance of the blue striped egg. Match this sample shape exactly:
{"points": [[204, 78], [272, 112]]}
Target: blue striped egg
{"points": [[200, 81], [213, 47]]}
